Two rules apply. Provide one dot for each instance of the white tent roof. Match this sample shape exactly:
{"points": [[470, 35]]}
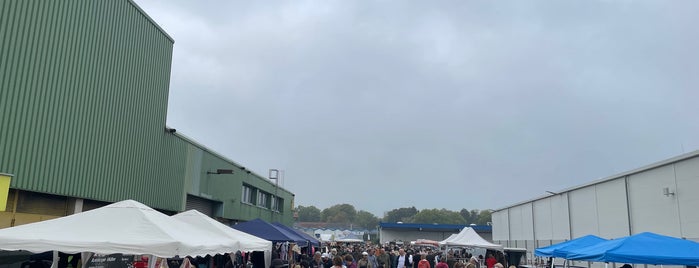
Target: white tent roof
{"points": [[326, 237], [349, 240], [469, 238], [127, 227], [243, 241]]}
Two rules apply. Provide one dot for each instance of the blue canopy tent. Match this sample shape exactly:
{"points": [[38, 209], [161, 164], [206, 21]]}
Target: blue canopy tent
{"points": [[643, 248], [314, 242], [561, 250], [268, 231]]}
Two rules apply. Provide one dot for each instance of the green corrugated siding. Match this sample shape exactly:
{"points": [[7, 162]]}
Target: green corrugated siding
{"points": [[83, 100], [227, 188]]}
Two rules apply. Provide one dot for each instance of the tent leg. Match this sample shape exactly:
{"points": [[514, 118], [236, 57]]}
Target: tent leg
{"points": [[85, 257], [54, 263], [151, 261]]}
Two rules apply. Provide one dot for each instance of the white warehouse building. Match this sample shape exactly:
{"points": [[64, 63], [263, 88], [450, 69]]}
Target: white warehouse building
{"points": [[662, 198]]}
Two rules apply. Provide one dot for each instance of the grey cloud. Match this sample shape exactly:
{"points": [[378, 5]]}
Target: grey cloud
{"points": [[476, 104]]}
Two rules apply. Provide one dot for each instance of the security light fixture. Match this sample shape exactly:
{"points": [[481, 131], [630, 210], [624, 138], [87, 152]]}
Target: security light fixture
{"points": [[667, 192]]}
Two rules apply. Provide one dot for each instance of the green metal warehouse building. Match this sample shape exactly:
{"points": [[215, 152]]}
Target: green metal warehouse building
{"points": [[83, 102]]}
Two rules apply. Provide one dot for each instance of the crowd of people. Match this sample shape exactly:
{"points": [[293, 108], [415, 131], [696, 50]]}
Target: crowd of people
{"points": [[368, 256]]}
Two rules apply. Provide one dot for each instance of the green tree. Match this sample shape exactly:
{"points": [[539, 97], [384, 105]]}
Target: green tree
{"points": [[400, 214], [474, 216], [343, 213], [310, 213], [366, 220], [466, 215], [440, 216], [484, 217]]}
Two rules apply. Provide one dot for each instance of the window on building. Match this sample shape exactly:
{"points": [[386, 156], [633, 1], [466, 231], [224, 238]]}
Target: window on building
{"points": [[262, 199], [248, 195], [277, 204]]}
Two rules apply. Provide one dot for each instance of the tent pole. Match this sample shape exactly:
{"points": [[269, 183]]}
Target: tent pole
{"points": [[54, 263], [85, 257], [151, 261]]}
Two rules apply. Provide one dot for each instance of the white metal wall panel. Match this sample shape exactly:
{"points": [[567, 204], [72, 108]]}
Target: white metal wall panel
{"points": [[560, 217], [583, 212], [528, 214], [516, 224], [521, 222], [501, 225], [612, 212], [650, 210], [543, 222], [687, 176]]}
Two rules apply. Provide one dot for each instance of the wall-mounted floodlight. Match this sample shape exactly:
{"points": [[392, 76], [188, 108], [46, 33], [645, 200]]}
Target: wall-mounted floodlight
{"points": [[667, 192], [221, 171]]}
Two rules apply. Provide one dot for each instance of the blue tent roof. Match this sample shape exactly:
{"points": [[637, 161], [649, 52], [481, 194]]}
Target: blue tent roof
{"points": [[643, 248], [265, 230], [308, 238], [560, 250]]}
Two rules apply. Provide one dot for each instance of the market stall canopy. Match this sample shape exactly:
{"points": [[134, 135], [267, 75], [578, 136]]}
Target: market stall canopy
{"points": [[127, 227], [349, 240], [268, 231], [426, 242], [243, 241], [643, 248], [314, 242], [561, 250], [469, 238]]}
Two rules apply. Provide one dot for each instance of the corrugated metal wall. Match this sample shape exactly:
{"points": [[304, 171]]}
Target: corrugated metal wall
{"points": [[227, 188], [83, 98]]}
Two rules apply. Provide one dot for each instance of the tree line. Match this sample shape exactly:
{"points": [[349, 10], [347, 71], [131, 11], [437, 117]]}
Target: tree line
{"points": [[347, 214]]}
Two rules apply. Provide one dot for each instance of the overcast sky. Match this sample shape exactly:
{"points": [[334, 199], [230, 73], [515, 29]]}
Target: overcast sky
{"points": [[434, 104]]}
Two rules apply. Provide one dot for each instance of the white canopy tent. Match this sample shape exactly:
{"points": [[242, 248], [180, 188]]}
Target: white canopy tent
{"points": [[126, 227], [349, 240], [469, 238], [243, 241]]}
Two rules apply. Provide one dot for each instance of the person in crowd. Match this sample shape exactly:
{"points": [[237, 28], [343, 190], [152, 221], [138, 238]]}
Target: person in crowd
{"points": [[490, 261], [459, 264], [423, 263], [317, 261], [337, 262], [401, 260], [472, 262], [327, 262], [442, 263], [364, 261], [373, 263], [349, 261], [383, 258], [498, 265]]}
